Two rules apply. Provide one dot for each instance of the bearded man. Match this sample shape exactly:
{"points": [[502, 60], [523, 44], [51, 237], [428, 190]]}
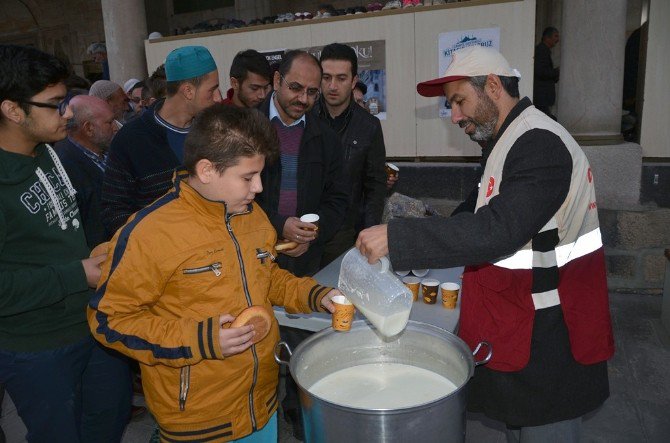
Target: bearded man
{"points": [[534, 285]]}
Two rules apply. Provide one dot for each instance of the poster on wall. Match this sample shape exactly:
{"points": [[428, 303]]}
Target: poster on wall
{"points": [[371, 71], [448, 42], [273, 56]]}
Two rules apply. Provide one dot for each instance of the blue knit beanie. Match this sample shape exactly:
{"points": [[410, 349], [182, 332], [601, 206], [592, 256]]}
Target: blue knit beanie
{"points": [[188, 62]]}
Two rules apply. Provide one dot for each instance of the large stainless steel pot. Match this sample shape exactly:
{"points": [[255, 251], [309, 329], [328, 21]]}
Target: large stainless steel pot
{"points": [[420, 344]]}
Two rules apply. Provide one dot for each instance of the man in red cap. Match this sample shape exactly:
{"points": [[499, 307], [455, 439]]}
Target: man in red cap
{"points": [[534, 285]]}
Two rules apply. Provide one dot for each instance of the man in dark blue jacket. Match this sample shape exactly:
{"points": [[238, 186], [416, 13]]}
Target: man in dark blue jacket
{"points": [[83, 154]]}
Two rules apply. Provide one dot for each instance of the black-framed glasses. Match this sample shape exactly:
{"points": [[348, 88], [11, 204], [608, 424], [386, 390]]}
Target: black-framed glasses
{"points": [[61, 106], [297, 88]]}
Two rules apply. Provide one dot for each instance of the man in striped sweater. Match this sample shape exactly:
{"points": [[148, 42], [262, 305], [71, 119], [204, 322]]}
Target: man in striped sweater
{"points": [[534, 285], [308, 178], [145, 152]]}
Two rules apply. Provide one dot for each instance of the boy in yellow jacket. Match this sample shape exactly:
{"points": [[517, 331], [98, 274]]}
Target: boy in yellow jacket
{"points": [[184, 267]]}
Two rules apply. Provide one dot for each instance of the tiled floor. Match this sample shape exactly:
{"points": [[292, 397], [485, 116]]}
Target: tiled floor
{"points": [[638, 409]]}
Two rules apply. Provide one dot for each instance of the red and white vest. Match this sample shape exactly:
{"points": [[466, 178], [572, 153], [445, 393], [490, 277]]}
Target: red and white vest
{"points": [[499, 304]]}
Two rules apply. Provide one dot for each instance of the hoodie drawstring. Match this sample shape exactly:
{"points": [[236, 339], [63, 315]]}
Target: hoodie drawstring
{"points": [[51, 191]]}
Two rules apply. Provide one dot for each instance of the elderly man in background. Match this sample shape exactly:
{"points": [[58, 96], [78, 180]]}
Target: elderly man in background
{"points": [[113, 94], [83, 154]]}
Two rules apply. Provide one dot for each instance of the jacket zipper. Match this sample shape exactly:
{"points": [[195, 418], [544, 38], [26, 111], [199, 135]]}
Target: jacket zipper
{"points": [[214, 267], [184, 386], [248, 297], [185, 372]]}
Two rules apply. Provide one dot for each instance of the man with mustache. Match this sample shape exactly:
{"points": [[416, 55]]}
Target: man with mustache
{"points": [[84, 155], [308, 178], [534, 285]]}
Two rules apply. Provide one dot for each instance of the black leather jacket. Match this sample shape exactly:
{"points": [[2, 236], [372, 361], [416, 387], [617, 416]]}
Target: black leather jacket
{"points": [[364, 157]]}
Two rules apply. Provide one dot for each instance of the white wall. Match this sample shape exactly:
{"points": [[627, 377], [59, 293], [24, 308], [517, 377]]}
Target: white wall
{"points": [[516, 21], [655, 132], [412, 128]]}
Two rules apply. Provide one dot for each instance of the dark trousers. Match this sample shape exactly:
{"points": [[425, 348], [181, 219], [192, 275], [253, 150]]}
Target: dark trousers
{"points": [[77, 393], [293, 337]]}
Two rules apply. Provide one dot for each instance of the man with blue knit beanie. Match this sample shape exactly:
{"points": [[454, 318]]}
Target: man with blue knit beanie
{"points": [[145, 152]]}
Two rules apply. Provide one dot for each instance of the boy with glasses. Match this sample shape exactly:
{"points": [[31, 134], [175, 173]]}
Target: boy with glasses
{"points": [[64, 385]]}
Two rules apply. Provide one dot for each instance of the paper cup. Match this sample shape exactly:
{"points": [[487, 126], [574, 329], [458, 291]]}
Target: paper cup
{"points": [[412, 284], [429, 288], [420, 272], [392, 170], [311, 218], [344, 313], [402, 273], [449, 294]]}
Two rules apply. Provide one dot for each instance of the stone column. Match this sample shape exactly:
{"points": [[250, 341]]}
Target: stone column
{"points": [[593, 39], [593, 42], [125, 31]]}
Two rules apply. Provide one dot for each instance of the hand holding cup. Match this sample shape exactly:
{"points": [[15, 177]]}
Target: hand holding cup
{"points": [[343, 315]]}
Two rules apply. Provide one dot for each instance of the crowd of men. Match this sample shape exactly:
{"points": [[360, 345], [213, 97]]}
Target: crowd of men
{"points": [[119, 147], [148, 165]]}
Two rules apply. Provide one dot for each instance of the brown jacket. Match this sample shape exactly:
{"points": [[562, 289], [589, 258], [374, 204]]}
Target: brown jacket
{"points": [[172, 270]]}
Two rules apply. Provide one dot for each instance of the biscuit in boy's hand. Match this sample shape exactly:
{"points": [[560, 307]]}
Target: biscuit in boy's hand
{"points": [[257, 316]]}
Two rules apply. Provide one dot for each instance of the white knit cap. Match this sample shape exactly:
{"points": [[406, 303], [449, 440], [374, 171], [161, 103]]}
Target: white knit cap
{"points": [[103, 89]]}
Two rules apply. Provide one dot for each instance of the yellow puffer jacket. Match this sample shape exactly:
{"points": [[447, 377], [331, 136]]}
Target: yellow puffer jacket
{"points": [[172, 270]]}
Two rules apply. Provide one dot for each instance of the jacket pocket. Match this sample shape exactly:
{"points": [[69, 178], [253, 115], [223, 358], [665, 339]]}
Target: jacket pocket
{"points": [[184, 386], [214, 267]]}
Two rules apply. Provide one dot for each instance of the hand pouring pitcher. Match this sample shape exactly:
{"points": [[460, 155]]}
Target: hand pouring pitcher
{"points": [[376, 292]]}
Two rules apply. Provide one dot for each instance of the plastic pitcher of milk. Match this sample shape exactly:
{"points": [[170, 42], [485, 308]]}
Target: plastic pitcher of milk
{"points": [[376, 292]]}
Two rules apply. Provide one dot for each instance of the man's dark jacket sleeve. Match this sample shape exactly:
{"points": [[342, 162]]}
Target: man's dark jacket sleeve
{"points": [[535, 183]]}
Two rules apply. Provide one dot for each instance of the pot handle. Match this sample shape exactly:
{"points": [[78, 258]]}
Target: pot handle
{"points": [[488, 355], [278, 347]]}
